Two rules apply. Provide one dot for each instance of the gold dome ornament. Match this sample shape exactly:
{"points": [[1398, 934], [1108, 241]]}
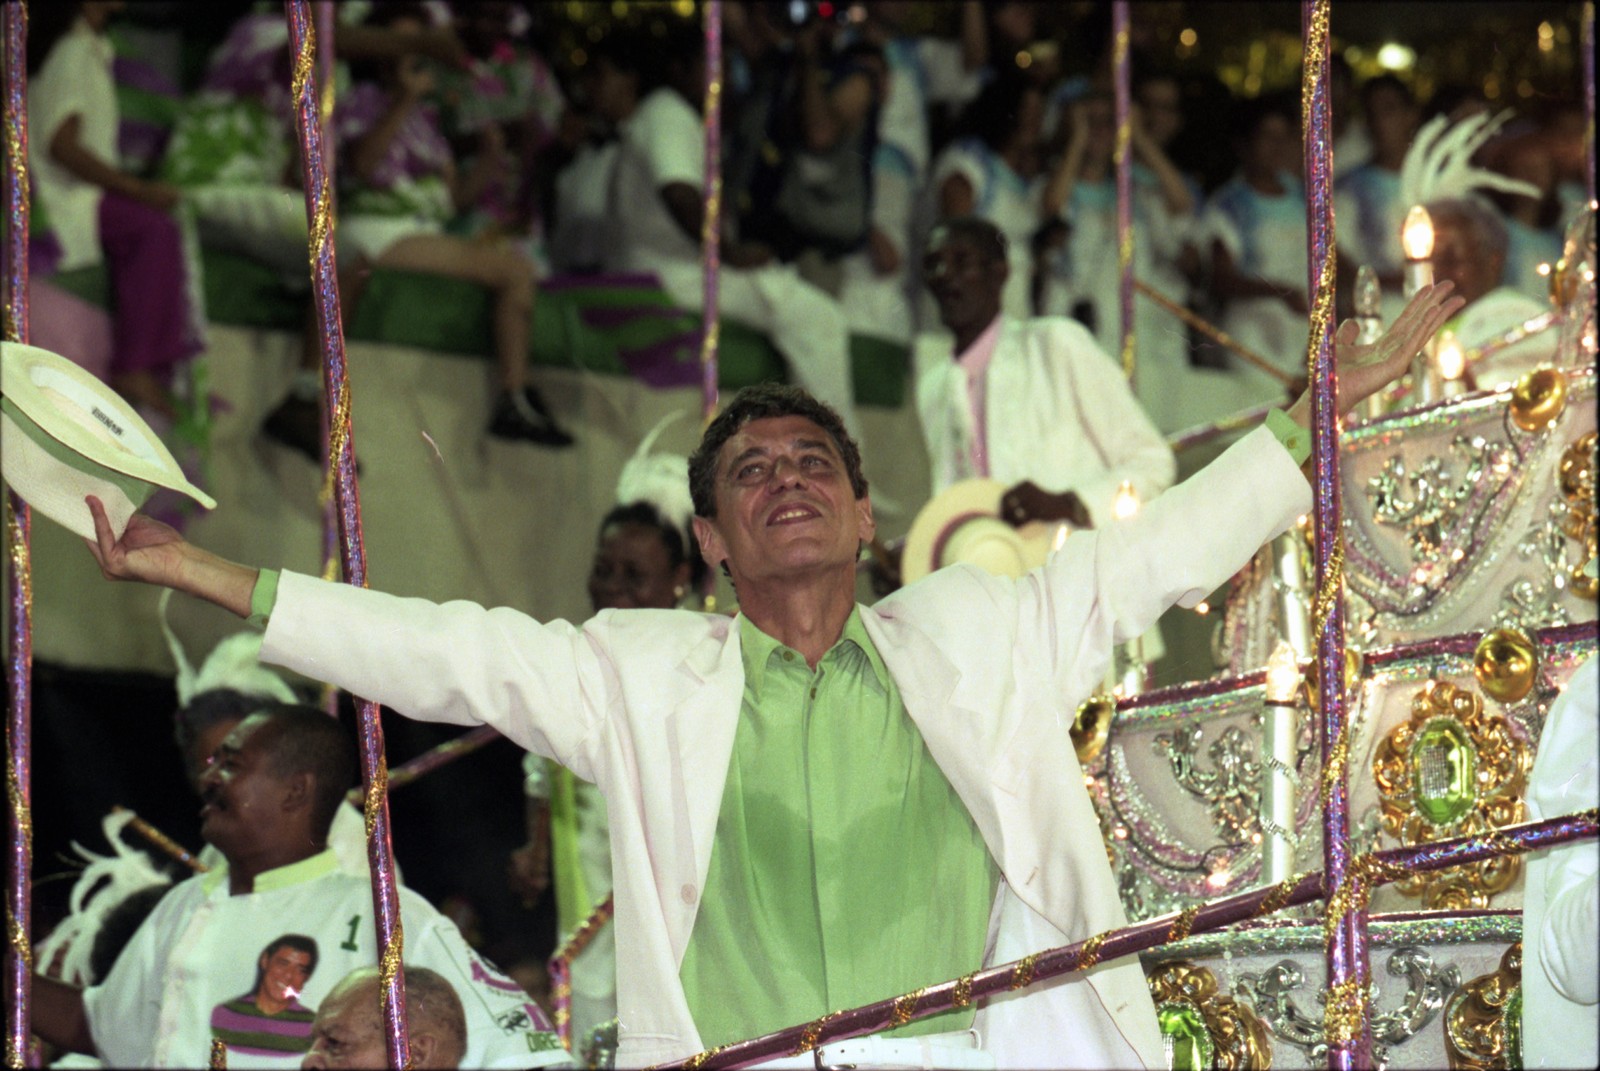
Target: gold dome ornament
{"points": [[1506, 664], [1538, 399], [1353, 669]]}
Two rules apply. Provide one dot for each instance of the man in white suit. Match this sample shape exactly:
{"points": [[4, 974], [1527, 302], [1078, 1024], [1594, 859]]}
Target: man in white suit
{"points": [[1034, 403], [816, 804]]}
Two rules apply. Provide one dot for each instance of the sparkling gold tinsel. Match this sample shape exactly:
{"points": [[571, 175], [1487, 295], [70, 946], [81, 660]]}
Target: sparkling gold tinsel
{"points": [[961, 996], [1183, 923], [1091, 951], [904, 1008], [698, 1060], [1345, 1011], [1278, 898], [1022, 973], [813, 1033], [219, 1055], [21, 811], [710, 236]]}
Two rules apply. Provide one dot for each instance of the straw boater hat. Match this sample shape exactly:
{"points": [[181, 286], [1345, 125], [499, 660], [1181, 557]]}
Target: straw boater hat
{"points": [[64, 434], [962, 523]]}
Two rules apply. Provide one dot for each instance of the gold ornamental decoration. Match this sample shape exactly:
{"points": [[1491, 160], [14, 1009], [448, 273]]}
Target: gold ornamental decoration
{"points": [[1483, 1019], [1538, 398], [1506, 664], [1575, 480], [1451, 770], [1201, 1028], [1091, 727]]}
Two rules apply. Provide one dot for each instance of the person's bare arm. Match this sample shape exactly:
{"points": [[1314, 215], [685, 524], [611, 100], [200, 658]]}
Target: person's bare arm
{"points": [[58, 1015], [688, 212], [1365, 370], [1175, 192], [154, 553], [68, 150], [1227, 281]]}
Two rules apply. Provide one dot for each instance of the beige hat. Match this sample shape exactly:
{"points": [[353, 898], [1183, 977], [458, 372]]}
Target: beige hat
{"points": [[962, 524], [64, 434]]}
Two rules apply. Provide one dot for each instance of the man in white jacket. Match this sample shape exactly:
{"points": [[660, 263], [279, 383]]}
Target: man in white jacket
{"points": [[1035, 404], [818, 804]]}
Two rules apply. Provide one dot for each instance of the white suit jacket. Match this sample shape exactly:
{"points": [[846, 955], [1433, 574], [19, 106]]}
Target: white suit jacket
{"points": [[1058, 411], [645, 703]]}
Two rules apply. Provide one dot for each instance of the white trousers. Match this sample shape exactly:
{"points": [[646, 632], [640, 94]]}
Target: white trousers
{"points": [[807, 326]]}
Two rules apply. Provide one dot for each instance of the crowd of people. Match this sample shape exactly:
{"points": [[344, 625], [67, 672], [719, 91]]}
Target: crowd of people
{"points": [[462, 152], [932, 191]]}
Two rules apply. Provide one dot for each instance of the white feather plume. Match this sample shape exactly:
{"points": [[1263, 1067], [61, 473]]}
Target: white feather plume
{"points": [[659, 479], [234, 663], [106, 881], [1439, 163]]}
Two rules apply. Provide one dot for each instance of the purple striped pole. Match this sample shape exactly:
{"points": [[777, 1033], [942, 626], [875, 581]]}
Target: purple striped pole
{"points": [[347, 498], [19, 588], [1123, 162], [711, 221], [1347, 1020], [330, 525]]}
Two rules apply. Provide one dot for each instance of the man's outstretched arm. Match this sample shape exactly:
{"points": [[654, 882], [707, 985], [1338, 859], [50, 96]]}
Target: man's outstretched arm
{"points": [[155, 553]]}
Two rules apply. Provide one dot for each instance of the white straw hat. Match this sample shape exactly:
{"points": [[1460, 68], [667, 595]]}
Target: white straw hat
{"points": [[962, 523], [64, 434]]}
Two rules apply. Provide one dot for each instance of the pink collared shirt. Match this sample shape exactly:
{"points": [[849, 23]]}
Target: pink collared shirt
{"points": [[974, 362]]}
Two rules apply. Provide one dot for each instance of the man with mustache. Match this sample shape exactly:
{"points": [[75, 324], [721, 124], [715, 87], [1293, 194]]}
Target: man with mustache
{"points": [[818, 804], [269, 797]]}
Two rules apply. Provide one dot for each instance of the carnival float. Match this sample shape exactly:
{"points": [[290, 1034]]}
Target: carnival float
{"points": [[1319, 848]]}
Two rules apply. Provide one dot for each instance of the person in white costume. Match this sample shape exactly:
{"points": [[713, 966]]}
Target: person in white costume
{"points": [[961, 685], [1469, 249], [1033, 403], [655, 204], [193, 972], [1561, 899]]}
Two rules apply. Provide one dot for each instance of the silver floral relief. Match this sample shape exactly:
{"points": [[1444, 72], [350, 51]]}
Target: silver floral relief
{"points": [[1455, 523], [1292, 1011], [1179, 800]]}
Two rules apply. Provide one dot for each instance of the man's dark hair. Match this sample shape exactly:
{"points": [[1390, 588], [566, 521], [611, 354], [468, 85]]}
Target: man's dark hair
{"points": [[983, 235], [763, 402], [297, 941], [212, 707], [302, 739], [680, 545], [1386, 81]]}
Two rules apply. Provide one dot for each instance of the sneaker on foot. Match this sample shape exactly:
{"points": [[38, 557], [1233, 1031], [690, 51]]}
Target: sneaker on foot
{"points": [[523, 415]]}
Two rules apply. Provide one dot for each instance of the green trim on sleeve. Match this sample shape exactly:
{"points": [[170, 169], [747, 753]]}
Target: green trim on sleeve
{"points": [[263, 597], [1295, 439]]}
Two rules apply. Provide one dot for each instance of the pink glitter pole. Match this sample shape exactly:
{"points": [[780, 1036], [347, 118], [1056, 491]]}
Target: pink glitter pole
{"points": [[1123, 161], [325, 291], [19, 648], [1347, 1014], [330, 524], [711, 223], [561, 968]]}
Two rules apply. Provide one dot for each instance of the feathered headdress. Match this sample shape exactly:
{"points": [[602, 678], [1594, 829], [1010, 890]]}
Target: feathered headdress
{"points": [[1439, 163], [659, 479], [234, 663], [106, 881]]}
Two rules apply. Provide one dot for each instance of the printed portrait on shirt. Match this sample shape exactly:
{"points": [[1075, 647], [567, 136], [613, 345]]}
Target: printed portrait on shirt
{"points": [[268, 1019]]}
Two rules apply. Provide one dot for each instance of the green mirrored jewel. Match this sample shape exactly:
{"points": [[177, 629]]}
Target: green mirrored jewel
{"points": [[1513, 1021], [1444, 772], [1184, 1036]]}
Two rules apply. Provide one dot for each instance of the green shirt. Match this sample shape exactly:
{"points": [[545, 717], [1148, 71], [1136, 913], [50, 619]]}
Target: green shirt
{"points": [[845, 869]]}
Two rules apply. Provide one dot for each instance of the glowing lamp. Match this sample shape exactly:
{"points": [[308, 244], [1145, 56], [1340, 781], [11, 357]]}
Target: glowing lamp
{"points": [[1126, 504], [1283, 675], [1416, 235]]}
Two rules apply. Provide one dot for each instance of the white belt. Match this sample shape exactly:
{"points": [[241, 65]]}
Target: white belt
{"points": [[958, 1050]]}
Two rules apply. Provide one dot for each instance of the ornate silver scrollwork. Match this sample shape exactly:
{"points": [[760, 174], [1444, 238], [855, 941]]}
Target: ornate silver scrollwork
{"points": [[1231, 788], [1430, 502], [1427, 988]]}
